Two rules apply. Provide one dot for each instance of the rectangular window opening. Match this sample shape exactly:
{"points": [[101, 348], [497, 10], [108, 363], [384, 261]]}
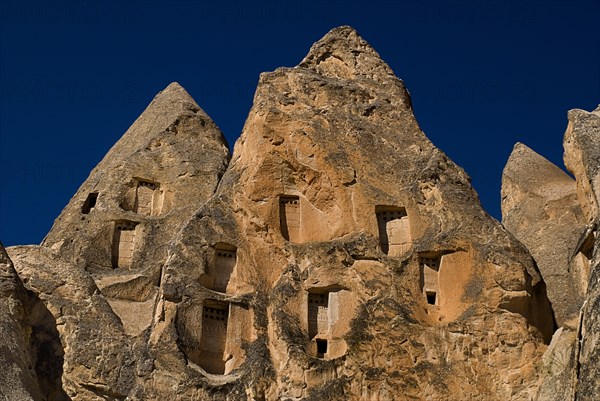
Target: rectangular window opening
{"points": [[90, 203], [214, 336], [321, 348], [289, 217], [145, 198], [430, 268], [318, 322], [123, 244], [393, 227], [223, 266], [431, 296]]}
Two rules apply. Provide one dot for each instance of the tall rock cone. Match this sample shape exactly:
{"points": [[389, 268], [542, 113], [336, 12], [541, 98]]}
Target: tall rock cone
{"points": [[540, 207], [118, 224], [98, 269], [344, 257]]}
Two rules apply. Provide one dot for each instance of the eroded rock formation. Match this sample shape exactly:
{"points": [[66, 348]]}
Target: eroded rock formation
{"points": [[31, 355], [540, 207], [556, 217], [339, 255], [582, 158]]}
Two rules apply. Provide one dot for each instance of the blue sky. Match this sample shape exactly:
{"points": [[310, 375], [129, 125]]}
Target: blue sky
{"points": [[74, 75]]}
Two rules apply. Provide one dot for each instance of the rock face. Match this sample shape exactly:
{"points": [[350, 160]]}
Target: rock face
{"points": [[540, 207], [556, 217], [582, 158], [99, 268], [355, 240], [339, 256], [30, 352]]}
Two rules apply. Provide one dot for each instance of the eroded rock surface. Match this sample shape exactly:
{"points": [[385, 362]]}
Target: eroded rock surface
{"points": [[339, 256], [98, 270], [18, 379], [31, 355], [582, 158], [556, 217], [362, 256], [540, 207]]}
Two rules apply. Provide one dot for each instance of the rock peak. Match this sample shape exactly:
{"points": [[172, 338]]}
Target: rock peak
{"points": [[534, 190], [176, 90], [533, 171], [343, 53], [175, 95]]}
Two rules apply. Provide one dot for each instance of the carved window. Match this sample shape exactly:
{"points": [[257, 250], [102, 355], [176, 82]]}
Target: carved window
{"points": [[323, 308], [321, 348], [123, 244], [318, 314], [430, 267], [146, 198], [394, 230], [289, 217], [215, 315], [222, 267], [90, 203]]}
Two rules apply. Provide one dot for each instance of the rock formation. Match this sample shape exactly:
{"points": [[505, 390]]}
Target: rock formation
{"points": [[339, 255], [556, 217], [582, 158], [30, 353], [540, 207]]}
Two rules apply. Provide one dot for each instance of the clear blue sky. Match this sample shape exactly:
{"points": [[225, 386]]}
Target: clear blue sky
{"points": [[74, 75]]}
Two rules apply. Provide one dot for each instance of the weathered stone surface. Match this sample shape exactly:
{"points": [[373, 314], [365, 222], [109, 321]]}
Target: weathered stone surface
{"points": [[30, 352], [560, 366], [328, 147], [119, 223], [582, 158], [557, 219], [342, 256], [540, 207], [98, 359], [98, 270], [168, 162], [18, 379]]}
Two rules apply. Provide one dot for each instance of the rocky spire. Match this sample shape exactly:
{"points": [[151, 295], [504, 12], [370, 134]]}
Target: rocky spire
{"points": [[539, 206], [173, 147], [355, 240], [341, 256], [343, 54], [110, 243]]}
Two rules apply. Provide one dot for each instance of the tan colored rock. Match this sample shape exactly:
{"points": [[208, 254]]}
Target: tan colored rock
{"points": [[560, 366], [98, 270], [540, 207], [342, 256], [336, 204], [98, 356], [582, 158], [557, 219], [18, 376]]}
